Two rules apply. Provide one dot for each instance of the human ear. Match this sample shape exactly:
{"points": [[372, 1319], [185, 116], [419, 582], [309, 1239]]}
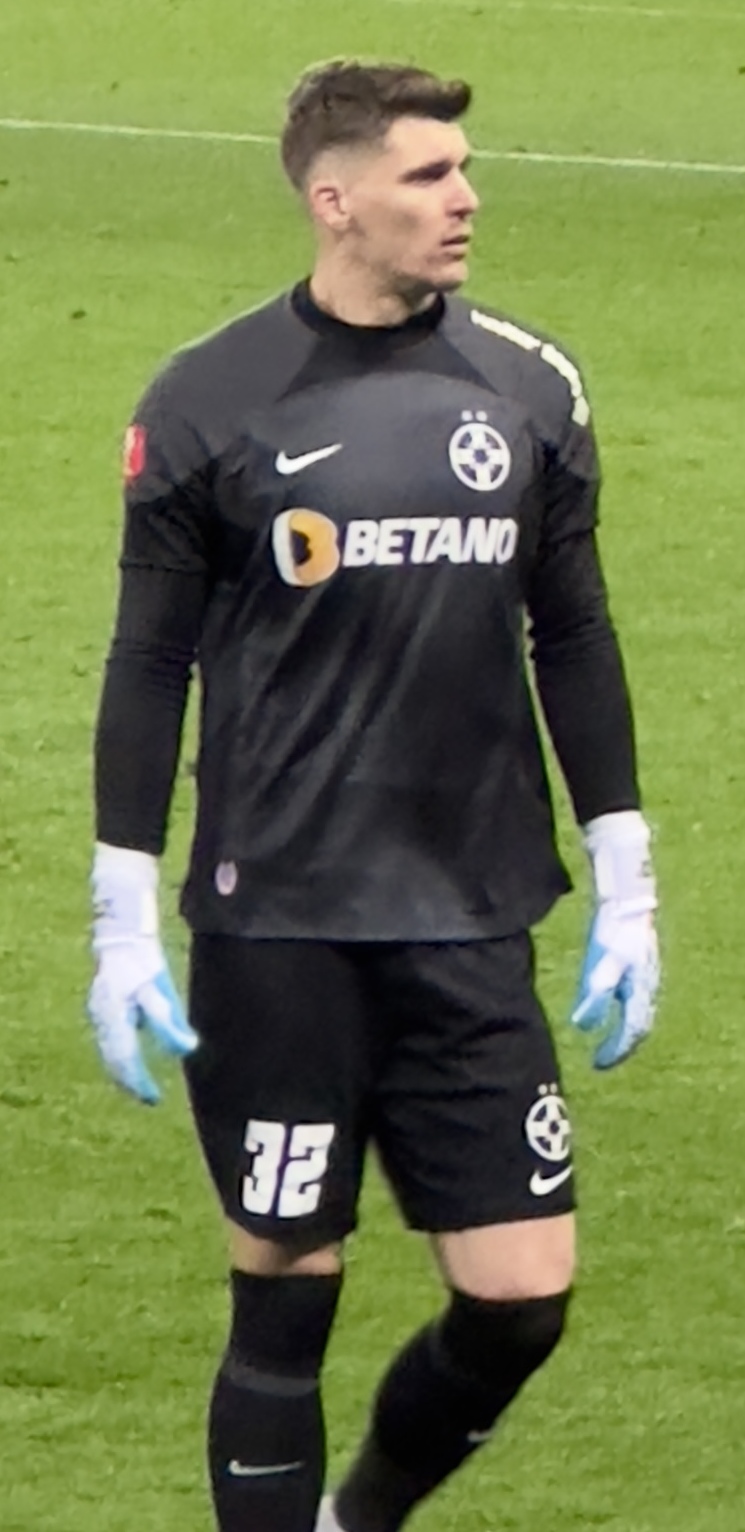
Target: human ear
{"points": [[329, 204]]}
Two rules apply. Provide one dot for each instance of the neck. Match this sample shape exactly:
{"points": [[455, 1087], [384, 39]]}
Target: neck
{"points": [[358, 297]]}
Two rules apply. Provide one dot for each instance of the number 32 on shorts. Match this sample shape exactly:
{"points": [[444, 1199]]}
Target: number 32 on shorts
{"points": [[288, 1164]]}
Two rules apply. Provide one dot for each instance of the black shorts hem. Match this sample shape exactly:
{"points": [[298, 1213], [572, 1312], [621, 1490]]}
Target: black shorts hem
{"points": [[483, 1219], [278, 1231]]}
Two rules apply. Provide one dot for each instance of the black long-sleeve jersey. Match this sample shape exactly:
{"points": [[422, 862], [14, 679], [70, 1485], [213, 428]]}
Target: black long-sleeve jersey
{"points": [[345, 528]]}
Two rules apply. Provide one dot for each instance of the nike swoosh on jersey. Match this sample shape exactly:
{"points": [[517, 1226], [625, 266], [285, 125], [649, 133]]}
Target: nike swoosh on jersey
{"points": [[285, 464], [542, 1185], [258, 1470]]}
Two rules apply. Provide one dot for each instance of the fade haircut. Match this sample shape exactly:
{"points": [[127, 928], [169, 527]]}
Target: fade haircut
{"points": [[346, 103]]}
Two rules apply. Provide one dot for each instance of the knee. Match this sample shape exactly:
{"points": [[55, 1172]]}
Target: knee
{"points": [[267, 1258], [534, 1258], [281, 1325], [501, 1343]]}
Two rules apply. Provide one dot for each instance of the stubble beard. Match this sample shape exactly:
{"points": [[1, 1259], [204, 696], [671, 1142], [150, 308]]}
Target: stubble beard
{"points": [[419, 292]]}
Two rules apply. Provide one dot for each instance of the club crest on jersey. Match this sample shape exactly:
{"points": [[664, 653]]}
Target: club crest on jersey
{"points": [[309, 548], [479, 455]]}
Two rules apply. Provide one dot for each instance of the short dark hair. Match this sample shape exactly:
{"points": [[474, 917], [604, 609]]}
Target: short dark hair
{"points": [[346, 102]]}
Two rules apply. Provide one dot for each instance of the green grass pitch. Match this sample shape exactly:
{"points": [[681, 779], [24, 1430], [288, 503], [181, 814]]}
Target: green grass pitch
{"points": [[112, 251]]}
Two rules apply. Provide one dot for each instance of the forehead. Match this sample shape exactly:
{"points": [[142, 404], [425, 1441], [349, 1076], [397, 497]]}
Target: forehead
{"points": [[412, 141]]}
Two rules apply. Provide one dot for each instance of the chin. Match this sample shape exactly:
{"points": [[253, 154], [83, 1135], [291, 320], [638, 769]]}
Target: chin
{"points": [[451, 283], [452, 276], [446, 277]]}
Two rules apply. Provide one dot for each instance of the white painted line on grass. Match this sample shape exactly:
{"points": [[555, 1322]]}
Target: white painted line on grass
{"points": [[611, 162], [129, 130], [577, 8], [515, 156]]}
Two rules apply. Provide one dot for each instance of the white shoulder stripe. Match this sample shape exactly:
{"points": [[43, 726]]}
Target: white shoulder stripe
{"points": [[548, 353], [507, 330]]}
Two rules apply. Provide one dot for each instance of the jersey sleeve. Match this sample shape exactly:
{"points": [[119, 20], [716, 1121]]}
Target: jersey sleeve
{"points": [[166, 500], [581, 678], [571, 473], [578, 663], [163, 591]]}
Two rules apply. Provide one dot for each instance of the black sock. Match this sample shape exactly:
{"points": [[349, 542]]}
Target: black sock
{"points": [[440, 1401], [266, 1434]]}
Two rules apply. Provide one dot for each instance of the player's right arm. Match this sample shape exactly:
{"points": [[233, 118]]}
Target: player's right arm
{"points": [[162, 598]]}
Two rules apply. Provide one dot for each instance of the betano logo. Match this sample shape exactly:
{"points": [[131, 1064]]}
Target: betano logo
{"points": [[309, 548], [306, 547]]}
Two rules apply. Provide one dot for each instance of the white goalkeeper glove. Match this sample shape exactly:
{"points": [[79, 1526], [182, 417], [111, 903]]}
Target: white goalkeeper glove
{"points": [[620, 975], [132, 989]]}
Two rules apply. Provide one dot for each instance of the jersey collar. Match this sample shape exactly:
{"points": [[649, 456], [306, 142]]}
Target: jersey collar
{"points": [[415, 328]]}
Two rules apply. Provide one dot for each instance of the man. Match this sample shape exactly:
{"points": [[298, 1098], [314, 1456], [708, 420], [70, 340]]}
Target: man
{"points": [[343, 505]]}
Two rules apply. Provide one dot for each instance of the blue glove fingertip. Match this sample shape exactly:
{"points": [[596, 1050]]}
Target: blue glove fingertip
{"points": [[622, 1040], [590, 1011], [135, 1078], [175, 1035], [609, 1053], [613, 1050]]}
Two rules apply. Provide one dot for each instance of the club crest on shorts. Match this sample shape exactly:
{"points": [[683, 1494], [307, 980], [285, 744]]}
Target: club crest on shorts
{"points": [[547, 1126], [479, 455], [226, 878]]}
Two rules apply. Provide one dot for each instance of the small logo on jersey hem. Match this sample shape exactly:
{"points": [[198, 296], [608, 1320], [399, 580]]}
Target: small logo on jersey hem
{"points": [[287, 465], [226, 878], [260, 1470]]}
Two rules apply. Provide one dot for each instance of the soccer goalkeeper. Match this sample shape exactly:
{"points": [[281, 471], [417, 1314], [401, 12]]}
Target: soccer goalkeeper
{"points": [[342, 506]]}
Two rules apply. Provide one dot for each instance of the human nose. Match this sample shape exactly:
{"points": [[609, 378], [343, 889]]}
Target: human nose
{"points": [[467, 200]]}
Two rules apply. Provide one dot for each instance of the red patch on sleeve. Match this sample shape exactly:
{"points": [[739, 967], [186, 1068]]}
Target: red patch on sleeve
{"points": [[135, 444]]}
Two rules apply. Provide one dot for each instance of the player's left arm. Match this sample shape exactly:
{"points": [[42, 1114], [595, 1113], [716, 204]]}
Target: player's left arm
{"points": [[585, 699]]}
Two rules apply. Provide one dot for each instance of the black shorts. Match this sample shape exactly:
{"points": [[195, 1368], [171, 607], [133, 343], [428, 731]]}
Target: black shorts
{"points": [[439, 1055]]}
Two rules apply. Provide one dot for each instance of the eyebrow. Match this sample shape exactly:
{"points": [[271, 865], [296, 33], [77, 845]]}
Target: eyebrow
{"points": [[434, 170]]}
